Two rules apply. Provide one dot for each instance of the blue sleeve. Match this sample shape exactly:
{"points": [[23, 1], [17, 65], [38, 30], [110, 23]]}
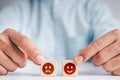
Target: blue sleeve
{"points": [[101, 19], [10, 17]]}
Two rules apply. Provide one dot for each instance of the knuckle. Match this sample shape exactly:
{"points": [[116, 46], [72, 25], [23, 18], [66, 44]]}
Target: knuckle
{"points": [[116, 32], [100, 56], [8, 30], [4, 73], [22, 63], [116, 73], [94, 61], [4, 42], [13, 68], [106, 67], [97, 44], [117, 46], [2, 39], [98, 59], [23, 40], [1, 42]]}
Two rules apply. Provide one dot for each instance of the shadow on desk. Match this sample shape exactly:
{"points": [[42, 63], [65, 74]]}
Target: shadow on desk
{"points": [[86, 69], [85, 73]]}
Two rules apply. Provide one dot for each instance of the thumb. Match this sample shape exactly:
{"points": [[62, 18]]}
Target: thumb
{"points": [[94, 47]]}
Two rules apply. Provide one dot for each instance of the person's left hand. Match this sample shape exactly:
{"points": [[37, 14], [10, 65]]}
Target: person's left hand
{"points": [[104, 51]]}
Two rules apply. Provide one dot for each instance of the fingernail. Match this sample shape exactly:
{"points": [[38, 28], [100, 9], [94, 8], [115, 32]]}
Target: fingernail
{"points": [[79, 59], [40, 58]]}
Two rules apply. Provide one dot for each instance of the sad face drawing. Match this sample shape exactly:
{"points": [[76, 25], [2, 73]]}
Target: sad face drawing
{"points": [[48, 68]]}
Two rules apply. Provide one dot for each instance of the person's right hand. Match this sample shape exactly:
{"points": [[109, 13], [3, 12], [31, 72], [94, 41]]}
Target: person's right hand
{"points": [[14, 51]]}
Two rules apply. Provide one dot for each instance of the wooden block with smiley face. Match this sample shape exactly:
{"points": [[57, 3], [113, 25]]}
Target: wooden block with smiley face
{"points": [[69, 68], [48, 68]]}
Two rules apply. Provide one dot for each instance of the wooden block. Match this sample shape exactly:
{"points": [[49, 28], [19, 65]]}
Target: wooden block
{"points": [[69, 68], [48, 68]]}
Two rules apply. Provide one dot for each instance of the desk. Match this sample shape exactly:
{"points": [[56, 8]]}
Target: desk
{"points": [[86, 72]]}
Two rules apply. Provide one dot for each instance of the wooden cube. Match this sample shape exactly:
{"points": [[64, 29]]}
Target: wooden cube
{"points": [[69, 68], [48, 68]]}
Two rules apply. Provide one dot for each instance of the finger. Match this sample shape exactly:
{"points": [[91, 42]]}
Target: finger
{"points": [[112, 64], [16, 55], [25, 45], [106, 54], [3, 71], [7, 63], [12, 51], [116, 72], [95, 47]]}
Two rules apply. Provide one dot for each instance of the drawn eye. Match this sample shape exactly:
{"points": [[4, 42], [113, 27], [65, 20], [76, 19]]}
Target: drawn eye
{"points": [[71, 67], [67, 67], [46, 67], [49, 67]]}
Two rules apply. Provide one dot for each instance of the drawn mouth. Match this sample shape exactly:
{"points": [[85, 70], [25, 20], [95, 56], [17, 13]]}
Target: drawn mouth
{"points": [[48, 71], [69, 71]]}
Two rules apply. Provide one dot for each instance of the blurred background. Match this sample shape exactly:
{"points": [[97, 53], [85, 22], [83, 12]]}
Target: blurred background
{"points": [[114, 4]]}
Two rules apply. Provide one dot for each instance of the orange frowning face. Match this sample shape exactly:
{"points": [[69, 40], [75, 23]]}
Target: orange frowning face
{"points": [[48, 68], [69, 68]]}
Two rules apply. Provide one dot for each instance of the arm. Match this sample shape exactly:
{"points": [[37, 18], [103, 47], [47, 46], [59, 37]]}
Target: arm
{"points": [[104, 50], [15, 48]]}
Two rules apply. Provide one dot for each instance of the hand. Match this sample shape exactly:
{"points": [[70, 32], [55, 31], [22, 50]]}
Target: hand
{"points": [[104, 51], [14, 51]]}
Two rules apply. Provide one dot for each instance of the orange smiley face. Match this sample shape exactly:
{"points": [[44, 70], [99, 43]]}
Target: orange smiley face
{"points": [[48, 68], [69, 68]]}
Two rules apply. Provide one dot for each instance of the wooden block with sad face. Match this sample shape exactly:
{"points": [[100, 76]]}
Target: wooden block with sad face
{"points": [[69, 68], [48, 68]]}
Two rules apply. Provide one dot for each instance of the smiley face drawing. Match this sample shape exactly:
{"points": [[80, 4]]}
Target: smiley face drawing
{"points": [[48, 68], [69, 68]]}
